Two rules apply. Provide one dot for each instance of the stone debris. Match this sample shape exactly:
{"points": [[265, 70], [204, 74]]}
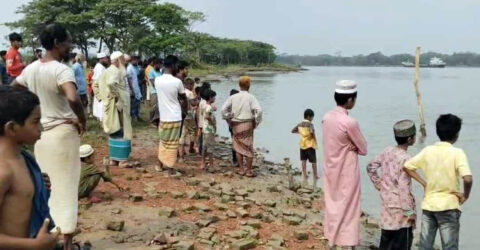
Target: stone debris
{"points": [[116, 211], [147, 176], [135, 197], [215, 191], [203, 223], [292, 220], [276, 241], [300, 235], [140, 170], [244, 244], [177, 195], [267, 218], [244, 204], [205, 186], [188, 208], [207, 233], [371, 222], [184, 245], [274, 189], [203, 196], [270, 203], [193, 195], [242, 212], [254, 223], [241, 192], [231, 214], [115, 225], [193, 182], [167, 212], [304, 190], [239, 198], [160, 239], [252, 232], [226, 198], [202, 207], [220, 206]]}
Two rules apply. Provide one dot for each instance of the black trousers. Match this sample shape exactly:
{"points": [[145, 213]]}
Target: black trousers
{"points": [[401, 239]]}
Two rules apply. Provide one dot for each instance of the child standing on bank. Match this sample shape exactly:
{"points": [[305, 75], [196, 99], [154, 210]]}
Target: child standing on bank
{"points": [[308, 143], [443, 165], [398, 203], [25, 219], [209, 129]]}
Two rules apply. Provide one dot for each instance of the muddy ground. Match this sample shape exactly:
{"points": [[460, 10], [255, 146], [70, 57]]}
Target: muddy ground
{"points": [[201, 210]]}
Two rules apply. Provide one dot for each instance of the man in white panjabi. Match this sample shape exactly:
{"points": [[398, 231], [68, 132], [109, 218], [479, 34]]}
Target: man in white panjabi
{"points": [[100, 67], [115, 98]]}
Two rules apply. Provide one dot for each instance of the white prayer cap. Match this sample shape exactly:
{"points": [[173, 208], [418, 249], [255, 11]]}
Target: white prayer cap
{"points": [[346, 87], [115, 55], [86, 150], [127, 57], [101, 55]]}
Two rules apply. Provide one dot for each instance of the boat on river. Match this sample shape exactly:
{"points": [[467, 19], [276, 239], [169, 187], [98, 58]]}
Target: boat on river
{"points": [[435, 62]]}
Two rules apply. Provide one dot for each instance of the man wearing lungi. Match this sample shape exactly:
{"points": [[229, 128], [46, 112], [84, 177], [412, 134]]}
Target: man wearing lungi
{"points": [[244, 113]]}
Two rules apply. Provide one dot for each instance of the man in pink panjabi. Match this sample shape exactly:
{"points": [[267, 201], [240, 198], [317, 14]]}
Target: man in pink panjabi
{"points": [[342, 143]]}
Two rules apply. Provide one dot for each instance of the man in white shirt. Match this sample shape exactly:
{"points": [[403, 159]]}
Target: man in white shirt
{"points": [[100, 67], [172, 106], [63, 120]]}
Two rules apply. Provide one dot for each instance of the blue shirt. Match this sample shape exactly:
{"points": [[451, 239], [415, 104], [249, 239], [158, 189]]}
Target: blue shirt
{"points": [[132, 79], [151, 76], [80, 78], [3, 73]]}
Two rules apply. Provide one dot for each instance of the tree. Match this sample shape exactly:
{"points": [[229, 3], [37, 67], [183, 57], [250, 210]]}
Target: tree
{"points": [[122, 23], [73, 14]]}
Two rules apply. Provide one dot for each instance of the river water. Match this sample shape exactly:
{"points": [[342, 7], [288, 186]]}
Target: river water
{"points": [[386, 95]]}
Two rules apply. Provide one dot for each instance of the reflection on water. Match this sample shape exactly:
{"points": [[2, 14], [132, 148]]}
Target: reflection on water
{"points": [[386, 95]]}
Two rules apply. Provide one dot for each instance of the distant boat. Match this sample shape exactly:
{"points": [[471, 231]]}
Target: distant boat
{"points": [[435, 62]]}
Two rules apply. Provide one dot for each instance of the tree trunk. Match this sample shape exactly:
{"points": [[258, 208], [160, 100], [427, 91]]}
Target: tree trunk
{"points": [[100, 46]]}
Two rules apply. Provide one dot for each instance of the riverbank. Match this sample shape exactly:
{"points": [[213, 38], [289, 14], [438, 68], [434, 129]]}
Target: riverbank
{"points": [[218, 71], [200, 210]]}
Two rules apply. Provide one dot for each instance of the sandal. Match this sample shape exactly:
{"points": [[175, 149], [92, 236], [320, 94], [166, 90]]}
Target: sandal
{"points": [[250, 175], [241, 173]]}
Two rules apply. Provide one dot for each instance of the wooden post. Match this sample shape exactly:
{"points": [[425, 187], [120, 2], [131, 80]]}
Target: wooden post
{"points": [[423, 131]]}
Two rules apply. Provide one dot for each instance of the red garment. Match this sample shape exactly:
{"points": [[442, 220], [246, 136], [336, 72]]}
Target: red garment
{"points": [[14, 62], [90, 81]]}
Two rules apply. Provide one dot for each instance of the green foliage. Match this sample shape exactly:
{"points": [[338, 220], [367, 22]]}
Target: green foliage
{"points": [[212, 50], [74, 14], [145, 27], [378, 59]]}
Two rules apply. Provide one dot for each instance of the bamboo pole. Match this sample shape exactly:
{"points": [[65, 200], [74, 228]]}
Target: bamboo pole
{"points": [[423, 131]]}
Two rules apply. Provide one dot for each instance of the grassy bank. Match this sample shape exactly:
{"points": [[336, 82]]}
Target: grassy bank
{"points": [[239, 69]]}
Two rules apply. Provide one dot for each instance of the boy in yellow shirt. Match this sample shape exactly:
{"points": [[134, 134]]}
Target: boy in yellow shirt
{"points": [[308, 143], [442, 165]]}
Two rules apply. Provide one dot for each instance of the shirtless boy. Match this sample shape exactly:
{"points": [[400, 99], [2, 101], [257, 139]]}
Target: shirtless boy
{"points": [[24, 214]]}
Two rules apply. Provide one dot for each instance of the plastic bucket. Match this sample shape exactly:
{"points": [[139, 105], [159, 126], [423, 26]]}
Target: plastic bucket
{"points": [[120, 149]]}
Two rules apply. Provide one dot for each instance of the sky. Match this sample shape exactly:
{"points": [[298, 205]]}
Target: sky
{"points": [[334, 27]]}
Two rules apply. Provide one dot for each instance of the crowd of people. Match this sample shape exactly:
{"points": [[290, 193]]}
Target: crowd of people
{"points": [[45, 104]]}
